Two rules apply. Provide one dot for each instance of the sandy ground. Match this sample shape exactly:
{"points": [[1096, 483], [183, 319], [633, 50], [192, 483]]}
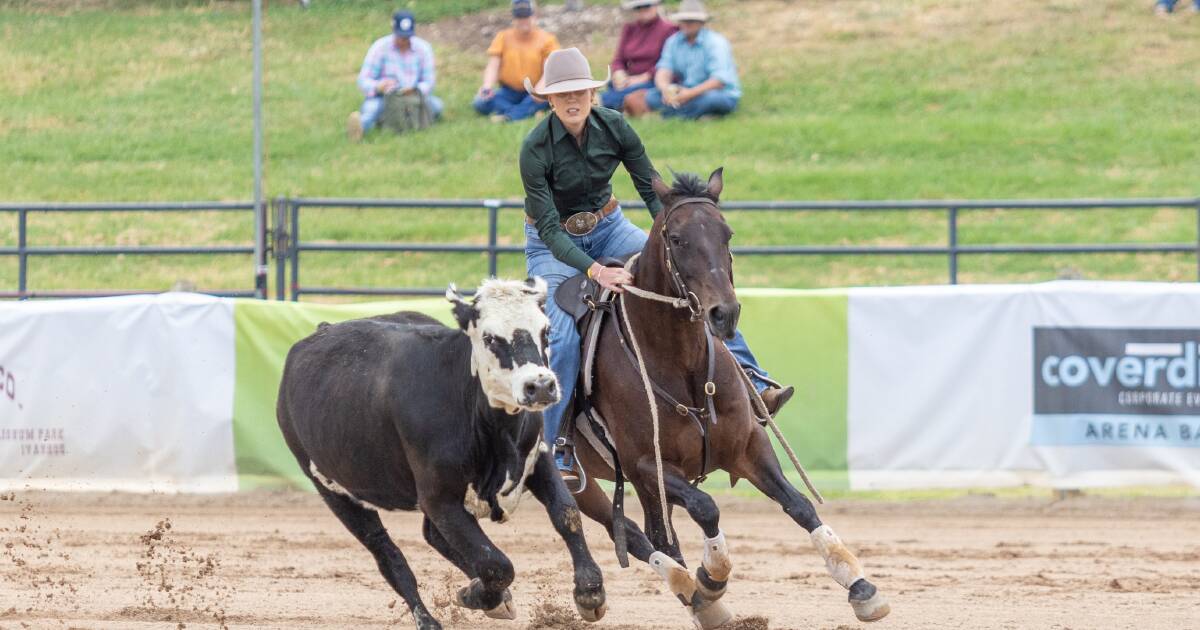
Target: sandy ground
{"points": [[282, 561]]}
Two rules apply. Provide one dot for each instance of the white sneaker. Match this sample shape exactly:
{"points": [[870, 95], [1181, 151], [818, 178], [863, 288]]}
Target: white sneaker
{"points": [[354, 128]]}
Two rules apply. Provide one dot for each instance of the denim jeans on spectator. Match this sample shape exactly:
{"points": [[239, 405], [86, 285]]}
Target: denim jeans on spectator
{"points": [[1169, 5], [373, 106], [612, 98], [515, 104], [614, 236], [710, 103]]}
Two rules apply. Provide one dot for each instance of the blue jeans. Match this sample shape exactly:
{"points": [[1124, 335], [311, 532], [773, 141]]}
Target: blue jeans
{"points": [[1169, 5], [710, 103], [514, 104], [614, 236], [373, 106], [614, 98]]}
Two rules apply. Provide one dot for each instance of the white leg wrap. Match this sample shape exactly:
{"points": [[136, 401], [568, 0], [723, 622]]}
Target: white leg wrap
{"points": [[678, 579], [842, 564], [716, 558]]}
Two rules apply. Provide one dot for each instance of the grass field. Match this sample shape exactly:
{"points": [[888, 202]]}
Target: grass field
{"points": [[858, 99]]}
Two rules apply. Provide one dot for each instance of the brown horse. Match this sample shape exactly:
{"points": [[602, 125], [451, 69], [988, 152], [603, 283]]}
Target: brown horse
{"points": [[688, 252]]}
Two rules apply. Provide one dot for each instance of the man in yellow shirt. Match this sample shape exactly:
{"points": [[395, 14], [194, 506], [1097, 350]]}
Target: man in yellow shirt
{"points": [[515, 53]]}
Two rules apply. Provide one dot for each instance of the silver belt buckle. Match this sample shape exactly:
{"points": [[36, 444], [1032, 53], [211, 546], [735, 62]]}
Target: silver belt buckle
{"points": [[581, 223]]}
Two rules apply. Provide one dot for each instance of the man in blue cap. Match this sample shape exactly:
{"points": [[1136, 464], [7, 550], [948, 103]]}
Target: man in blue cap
{"points": [[400, 62]]}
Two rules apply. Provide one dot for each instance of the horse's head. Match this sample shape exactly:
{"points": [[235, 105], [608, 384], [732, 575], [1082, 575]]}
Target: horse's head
{"points": [[509, 335], [694, 239]]}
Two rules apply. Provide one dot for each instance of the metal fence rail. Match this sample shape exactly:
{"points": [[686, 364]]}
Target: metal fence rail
{"points": [[289, 246], [285, 246], [23, 251]]}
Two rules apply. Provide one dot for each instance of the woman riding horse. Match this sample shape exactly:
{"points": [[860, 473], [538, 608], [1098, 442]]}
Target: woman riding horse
{"points": [[572, 219]]}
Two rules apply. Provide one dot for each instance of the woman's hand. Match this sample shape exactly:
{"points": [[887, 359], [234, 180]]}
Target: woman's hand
{"points": [[610, 278]]}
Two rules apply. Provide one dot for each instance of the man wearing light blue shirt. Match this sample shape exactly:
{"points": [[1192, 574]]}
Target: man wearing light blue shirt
{"points": [[696, 76], [400, 62]]}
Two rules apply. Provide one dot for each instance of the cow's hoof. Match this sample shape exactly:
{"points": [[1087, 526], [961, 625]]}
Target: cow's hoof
{"points": [[868, 603], [505, 610], [707, 615], [592, 615], [590, 601], [470, 595]]}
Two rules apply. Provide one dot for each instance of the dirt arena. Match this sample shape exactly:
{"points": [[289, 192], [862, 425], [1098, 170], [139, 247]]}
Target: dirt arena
{"points": [[113, 561]]}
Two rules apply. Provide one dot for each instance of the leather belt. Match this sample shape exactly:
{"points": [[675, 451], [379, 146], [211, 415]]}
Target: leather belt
{"points": [[582, 223]]}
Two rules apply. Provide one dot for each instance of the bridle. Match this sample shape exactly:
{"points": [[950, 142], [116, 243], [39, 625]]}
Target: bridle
{"points": [[685, 298]]}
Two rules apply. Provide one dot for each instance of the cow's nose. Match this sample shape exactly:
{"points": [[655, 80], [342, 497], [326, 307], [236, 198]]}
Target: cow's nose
{"points": [[541, 390]]}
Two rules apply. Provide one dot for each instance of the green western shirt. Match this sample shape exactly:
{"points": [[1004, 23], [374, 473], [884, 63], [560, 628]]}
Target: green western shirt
{"points": [[562, 178]]}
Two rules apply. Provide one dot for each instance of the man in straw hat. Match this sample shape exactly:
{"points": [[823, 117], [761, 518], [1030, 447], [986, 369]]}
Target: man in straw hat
{"points": [[515, 53], [570, 221], [696, 75], [638, 49]]}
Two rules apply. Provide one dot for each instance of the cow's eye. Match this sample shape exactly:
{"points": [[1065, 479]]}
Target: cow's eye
{"points": [[489, 340]]}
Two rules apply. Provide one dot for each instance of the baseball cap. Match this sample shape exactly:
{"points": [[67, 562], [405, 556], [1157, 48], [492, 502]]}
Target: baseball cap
{"points": [[403, 23], [522, 8]]}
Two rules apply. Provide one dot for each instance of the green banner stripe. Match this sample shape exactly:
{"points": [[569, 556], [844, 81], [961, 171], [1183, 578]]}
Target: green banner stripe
{"points": [[799, 336], [264, 332]]}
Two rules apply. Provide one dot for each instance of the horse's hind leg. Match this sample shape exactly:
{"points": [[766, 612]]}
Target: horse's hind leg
{"points": [[712, 575], [761, 468], [368, 529]]}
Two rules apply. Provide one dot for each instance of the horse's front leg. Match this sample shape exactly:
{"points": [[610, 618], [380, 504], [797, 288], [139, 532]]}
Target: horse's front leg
{"points": [[761, 467], [547, 486], [711, 577]]}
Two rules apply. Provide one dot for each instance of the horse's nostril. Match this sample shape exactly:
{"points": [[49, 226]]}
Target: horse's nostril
{"points": [[716, 314]]}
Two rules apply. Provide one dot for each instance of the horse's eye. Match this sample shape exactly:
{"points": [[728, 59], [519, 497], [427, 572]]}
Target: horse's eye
{"points": [[676, 241]]}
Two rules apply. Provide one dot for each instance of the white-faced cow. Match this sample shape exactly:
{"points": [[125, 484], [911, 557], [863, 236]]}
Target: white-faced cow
{"points": [[402, 413]]}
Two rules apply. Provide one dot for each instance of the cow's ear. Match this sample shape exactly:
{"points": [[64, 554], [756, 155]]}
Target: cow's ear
{"points": [[464, 312], [660, 188], [538, 287], [716, 182]]}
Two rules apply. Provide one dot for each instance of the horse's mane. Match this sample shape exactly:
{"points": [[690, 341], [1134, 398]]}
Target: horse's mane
{"points": [[690, 185]]}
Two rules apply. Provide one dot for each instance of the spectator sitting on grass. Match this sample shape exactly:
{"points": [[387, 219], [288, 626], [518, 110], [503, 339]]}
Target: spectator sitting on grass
{"points": [[696, 75], [639, 48], [515, 53], [400, 62]]}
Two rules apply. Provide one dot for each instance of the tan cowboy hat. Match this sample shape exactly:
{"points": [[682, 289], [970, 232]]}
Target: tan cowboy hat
{"points": [[629, 5], [690, 11], [566, 70]]}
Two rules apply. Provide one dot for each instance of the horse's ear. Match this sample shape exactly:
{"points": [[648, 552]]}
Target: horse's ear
{"points": [[464, 312], [716, 182], [660, 188]]}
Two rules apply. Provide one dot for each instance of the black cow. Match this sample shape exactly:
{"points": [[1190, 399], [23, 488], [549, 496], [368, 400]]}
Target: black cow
{"points": [[402, 413]]}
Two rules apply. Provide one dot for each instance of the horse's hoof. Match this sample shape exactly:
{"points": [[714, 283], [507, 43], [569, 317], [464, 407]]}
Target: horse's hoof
{"points": [[706, 587], [591, 615], [872, 609], [678, 579], [708, 615]]}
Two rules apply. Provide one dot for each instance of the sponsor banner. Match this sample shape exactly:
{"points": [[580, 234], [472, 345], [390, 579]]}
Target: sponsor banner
{"points": [[128, 393], [1062, 384]]}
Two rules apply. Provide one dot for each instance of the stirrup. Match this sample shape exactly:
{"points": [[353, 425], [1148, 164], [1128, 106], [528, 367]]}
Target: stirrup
{"points": [[573, 475]]}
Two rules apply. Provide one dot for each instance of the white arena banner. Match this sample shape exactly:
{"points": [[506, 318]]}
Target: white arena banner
{"points": [[127, 393], [1065, 384]]}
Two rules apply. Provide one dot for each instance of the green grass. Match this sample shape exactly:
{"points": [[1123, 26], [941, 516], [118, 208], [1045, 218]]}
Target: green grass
{"points": [[124, 100]]}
